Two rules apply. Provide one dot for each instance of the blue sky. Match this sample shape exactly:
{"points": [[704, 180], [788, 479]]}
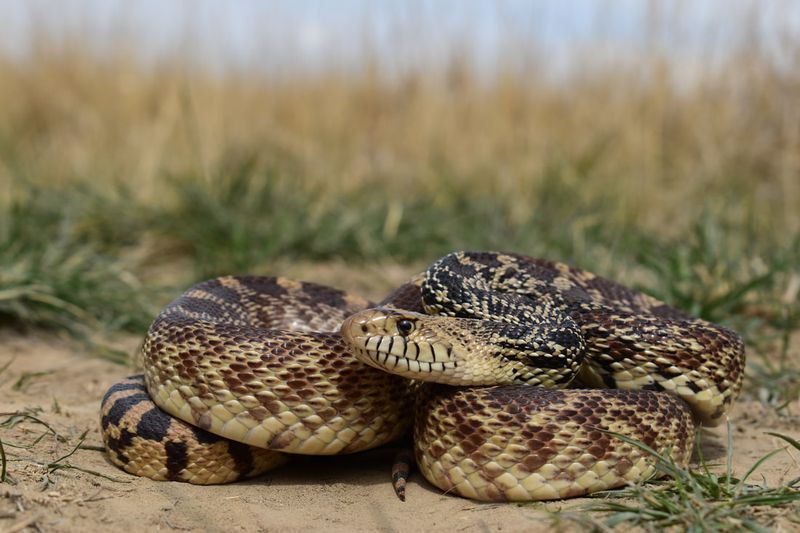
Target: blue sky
{"points": [[313, 33]]}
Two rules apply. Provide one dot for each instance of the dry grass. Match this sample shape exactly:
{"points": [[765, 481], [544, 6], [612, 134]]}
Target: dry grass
{"points": [[663, 143], [682, 180]]}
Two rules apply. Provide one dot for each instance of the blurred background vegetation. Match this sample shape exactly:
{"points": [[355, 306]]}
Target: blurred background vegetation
{"points": [[657, 143]]}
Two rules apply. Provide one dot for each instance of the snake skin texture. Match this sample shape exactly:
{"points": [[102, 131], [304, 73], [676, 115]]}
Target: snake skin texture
{"points": [[294, 367], [515, 443], [145, 440]]}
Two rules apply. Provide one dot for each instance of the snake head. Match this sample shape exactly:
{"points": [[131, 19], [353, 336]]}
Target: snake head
{"points": [[400, 342], [453, 351]]}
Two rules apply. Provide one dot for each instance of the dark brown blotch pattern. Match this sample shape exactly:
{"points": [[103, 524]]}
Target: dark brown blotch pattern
{"points": [[552, 434], [143, 440]]}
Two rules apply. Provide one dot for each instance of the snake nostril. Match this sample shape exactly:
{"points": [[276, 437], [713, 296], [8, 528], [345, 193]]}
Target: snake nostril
{"points": [[363, 328]]}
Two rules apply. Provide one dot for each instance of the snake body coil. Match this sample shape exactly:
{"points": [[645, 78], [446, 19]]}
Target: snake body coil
{"points": [[287, 367]]}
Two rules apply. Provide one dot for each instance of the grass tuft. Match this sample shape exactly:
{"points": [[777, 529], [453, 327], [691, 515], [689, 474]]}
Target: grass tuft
{"points": [[54, 273], [775, 379], [692, 500], [711, 272]]}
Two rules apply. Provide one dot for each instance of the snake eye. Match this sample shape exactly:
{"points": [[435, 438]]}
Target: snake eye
{"points": [[405, 327]]}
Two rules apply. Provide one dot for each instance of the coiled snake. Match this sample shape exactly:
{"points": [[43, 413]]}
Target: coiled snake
{"points": [[280, 367]]}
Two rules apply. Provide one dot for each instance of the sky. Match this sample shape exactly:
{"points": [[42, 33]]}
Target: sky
{"points": [[309, 34]]}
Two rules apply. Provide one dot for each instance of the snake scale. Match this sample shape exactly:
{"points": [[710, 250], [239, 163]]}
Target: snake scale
{"points": [[515, 373]]}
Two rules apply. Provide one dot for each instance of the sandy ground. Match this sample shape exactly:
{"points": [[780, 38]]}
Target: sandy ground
{"points": [[60, 385], [331, 494]]}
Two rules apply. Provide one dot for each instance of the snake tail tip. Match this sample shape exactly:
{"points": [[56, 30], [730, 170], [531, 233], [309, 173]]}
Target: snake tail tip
{"points": [[401, 469]]}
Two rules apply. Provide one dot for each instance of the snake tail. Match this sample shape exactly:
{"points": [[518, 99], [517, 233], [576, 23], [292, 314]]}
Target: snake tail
{"points": [[145, 441]]}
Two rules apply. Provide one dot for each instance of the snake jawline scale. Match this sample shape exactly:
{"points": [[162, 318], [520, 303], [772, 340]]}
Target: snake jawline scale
{"points": [[262, 361]]}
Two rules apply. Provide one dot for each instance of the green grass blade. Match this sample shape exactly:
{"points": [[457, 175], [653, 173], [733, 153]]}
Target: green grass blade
{"points": [[2, 462], [786, 438]]}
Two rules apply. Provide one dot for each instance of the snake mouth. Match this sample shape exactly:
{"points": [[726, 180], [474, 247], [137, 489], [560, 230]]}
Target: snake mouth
{"points": [[388, 340], [395, 353]]}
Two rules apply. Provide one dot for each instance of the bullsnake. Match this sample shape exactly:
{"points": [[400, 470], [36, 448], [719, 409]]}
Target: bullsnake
{"points": [[537, 363]]}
